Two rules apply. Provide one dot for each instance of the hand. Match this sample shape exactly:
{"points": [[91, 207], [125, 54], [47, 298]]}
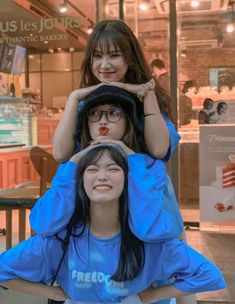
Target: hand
{"points": [[58, 294], [76, 158], [80, 94], [138, 89], [104, 139], [148, 295]]}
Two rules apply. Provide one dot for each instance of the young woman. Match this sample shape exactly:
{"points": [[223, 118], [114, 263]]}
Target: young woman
{"points": [[113, 55], [103, 261], [154, 212], [109, 114]]}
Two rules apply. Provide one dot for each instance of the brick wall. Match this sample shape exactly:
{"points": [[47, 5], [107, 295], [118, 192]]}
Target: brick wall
{"points": [[197, 63]]}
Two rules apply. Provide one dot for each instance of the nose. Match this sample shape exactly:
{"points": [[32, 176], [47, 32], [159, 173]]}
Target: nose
{"points": [[103, 118], [102, 176], [105, 64]]}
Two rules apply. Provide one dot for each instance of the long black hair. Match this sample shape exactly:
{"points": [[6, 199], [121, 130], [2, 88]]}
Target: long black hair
{"points": [[118, 34], [131, 258]]}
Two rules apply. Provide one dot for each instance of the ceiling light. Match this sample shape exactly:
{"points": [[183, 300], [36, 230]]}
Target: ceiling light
{"points": [[71, 49], [89, 30], [63, 7], [143, 6], [229, 28], [59, 49], [45, 41], [51, 51], [195, 3]]}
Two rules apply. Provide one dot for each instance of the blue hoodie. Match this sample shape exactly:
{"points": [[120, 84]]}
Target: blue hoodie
{"points": [[85, 274], [154, 214]]}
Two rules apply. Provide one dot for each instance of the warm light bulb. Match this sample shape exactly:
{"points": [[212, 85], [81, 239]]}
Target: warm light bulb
{"points": [[89, 30], [143, 6], [63, 8], [229, 28], [195, 3]]}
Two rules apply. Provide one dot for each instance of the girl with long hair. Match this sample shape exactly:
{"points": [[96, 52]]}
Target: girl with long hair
{"points": [[103, 261], [113, 55]]}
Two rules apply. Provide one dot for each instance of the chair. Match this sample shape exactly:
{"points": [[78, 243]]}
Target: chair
{"points": [[45, 165]]}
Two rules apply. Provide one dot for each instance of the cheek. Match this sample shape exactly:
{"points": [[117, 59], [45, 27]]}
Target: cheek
{"points": [[87, 182], [122, 128], [94, 67], [92, 130]]}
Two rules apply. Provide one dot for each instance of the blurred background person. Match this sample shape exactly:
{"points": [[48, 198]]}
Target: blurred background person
{"points": [[218, 116], [185, 103], [159, 70], [203, 115]]}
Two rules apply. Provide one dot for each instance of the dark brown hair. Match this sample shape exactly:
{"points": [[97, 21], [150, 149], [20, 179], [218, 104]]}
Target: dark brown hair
{"points": [[118, 34], [130, 137]]}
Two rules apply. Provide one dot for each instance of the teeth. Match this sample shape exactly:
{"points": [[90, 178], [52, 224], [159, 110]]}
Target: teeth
{"points": [[102, 187]]}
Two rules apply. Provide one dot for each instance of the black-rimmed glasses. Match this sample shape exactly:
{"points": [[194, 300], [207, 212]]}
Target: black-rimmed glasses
{"points": [[112, 115]]}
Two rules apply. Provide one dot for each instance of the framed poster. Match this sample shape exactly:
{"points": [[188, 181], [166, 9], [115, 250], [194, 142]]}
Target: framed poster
{"points": [[217, 173]]}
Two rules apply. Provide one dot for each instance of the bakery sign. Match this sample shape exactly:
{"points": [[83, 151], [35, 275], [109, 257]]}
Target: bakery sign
{"points": [[24, 31], [217, 174]]}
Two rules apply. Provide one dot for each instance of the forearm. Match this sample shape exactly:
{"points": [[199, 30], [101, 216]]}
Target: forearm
{"points": [[155, 130], [63, 141], [37, 289], [153, 294]]}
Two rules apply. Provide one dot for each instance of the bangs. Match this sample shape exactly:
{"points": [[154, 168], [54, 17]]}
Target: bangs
{"points": [[93, 156], [104, 43], [108, 39]]}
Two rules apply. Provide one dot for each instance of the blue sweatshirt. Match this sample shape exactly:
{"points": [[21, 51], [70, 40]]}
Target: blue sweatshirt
{"points": [[85, 274], [154, 214]]}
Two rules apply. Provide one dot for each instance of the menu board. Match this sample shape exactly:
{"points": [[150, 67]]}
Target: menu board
{"points": [[217, 173], [12, 58]]}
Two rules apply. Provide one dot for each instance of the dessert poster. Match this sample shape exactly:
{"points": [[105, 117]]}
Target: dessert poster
{"points": [[217, 173]]}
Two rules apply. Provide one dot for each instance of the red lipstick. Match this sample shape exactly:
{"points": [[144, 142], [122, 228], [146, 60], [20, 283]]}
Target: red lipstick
{"points": [[103, 130]]}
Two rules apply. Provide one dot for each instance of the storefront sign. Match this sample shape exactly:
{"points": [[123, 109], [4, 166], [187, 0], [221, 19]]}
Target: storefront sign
{"points": [[20, 29]]}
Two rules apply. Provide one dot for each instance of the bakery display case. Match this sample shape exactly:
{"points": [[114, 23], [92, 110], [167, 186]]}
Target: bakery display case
{"points": [[14, 121]]}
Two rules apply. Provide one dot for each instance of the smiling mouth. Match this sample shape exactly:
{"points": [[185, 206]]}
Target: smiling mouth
{"points": [[103, 130], [107, 73], [103, 188]]}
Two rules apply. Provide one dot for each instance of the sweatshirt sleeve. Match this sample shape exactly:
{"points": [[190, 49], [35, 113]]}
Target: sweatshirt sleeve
{"points": [[149, 218], [190, 270], [29, 261], [174, 137], [52, 212]]}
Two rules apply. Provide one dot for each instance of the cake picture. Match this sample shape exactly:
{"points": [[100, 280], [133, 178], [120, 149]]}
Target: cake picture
{"points": [[225, 174], [227, 204]]}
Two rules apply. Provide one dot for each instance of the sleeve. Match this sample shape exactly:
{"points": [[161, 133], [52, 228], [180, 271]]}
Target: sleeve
{"points": [[30, 261], [52, 212], [174, 137], [149, 219], [191, 271]]}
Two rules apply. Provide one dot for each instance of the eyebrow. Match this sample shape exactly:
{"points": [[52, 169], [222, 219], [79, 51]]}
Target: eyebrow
{"points": [[110, 52], [108, 165]]}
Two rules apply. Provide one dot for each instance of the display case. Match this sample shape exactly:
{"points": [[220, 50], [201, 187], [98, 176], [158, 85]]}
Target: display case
{"points": [[14, 121]]}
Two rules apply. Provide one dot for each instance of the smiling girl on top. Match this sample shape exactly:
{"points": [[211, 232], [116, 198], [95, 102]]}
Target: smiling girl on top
{"points": [[113, 55]]}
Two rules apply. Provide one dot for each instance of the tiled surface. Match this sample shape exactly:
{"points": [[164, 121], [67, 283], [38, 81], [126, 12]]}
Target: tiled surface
{"points": [[218, 247]]}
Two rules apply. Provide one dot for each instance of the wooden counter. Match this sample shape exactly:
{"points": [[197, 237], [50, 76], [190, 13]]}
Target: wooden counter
{"points": [[16, 166], [42, 130]]}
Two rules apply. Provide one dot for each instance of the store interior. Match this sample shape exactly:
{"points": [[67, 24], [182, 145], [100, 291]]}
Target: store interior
{"points": [[42, 44]]}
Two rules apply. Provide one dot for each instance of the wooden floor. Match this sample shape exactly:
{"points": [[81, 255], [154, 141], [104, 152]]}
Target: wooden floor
{"points": [[218, 247]]}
